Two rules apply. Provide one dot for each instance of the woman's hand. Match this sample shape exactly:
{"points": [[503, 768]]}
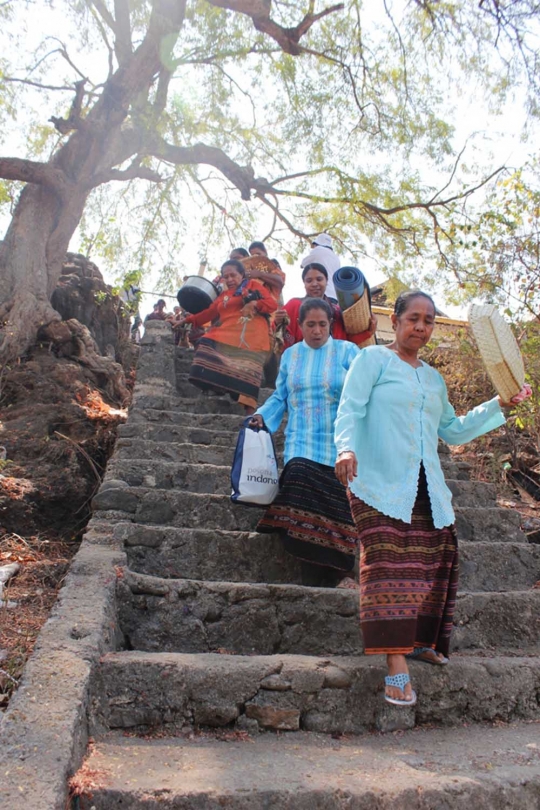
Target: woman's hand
{"points": [[372, 328], [280, 316], [346, 467], [256, 421], [525, 393], [249, 310]]}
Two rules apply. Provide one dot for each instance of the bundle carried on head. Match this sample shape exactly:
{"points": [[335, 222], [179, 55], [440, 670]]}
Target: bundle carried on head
{"points": [[261, 263], [354, 298]]}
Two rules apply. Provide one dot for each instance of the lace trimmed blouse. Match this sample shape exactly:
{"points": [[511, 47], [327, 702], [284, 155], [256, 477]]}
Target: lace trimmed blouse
{"points": [[392, 415]]}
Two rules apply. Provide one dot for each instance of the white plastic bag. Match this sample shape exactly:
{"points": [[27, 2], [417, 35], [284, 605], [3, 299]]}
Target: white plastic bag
{"points": [[254, 473]]}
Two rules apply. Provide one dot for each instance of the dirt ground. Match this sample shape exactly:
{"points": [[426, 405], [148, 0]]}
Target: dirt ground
{"points": [[59, 410]]}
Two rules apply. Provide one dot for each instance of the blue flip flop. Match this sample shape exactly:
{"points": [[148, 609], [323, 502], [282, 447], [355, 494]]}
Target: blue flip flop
{"points": [[400, 680], [416, 654]]}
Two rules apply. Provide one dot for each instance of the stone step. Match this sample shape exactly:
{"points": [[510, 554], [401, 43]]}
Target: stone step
{"points": [[230, 422], [472, 768], [186, 390], [338, 695], [168, 402], [459, 469], [168, 426], [497, 525], [202, 403], [180, 434], [160, 473], [251, 557], [208, 554], [186, 615], [194, 510]]}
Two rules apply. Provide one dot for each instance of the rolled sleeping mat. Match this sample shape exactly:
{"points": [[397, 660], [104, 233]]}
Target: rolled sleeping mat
{"points": [[354, 299]]}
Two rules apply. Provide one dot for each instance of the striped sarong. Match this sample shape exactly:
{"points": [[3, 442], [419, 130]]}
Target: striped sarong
{"points": [[313, 515], [223, 368], [408, 578]]}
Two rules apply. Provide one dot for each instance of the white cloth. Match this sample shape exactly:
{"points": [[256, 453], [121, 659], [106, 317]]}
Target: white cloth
{"points": [[329, 261]]}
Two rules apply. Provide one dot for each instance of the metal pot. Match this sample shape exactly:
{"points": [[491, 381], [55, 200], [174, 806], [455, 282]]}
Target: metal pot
{"points": [[196, 294]]}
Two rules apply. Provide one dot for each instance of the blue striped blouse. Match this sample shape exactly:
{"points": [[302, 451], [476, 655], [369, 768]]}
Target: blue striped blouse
{"points": [[309, 386]]}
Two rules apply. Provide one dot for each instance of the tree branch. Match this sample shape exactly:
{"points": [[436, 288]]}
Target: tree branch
{"points": [[37, 84], [74, 120], [123, 46], [243, 177], [33, 171], [287, 38], [133, 172]]}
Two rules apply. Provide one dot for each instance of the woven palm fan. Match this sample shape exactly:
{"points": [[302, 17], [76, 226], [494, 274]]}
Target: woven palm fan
{"points": [[498, 349]]}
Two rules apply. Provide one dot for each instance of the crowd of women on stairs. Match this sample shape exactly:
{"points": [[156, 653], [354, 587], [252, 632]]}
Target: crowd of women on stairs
{"points": [[362, 475]]}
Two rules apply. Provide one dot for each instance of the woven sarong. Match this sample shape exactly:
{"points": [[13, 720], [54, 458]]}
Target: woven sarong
{"points": [[408, 578], [227, 369], [313, 515]]}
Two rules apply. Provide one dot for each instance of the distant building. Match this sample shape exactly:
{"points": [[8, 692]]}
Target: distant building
{"points": [[383, 297]]}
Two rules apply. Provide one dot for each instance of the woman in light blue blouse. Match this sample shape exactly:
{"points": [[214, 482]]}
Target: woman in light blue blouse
{"points": [[311, 511], [393, 409]]}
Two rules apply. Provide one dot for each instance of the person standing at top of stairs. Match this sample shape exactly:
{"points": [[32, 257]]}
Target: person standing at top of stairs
{"points": [[393, 409]]}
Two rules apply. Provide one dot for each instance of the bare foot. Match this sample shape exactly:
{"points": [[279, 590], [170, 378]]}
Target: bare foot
{"points": [[348, 583], [397, 664]]}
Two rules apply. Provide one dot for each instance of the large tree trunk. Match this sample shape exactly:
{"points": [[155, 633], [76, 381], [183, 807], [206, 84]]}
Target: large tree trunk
{"points": [[51, 205], [31, 257]]}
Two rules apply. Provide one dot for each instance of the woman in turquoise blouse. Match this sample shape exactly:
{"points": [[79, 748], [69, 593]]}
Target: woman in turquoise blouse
{"points": [[311, 511], [393, 409]]}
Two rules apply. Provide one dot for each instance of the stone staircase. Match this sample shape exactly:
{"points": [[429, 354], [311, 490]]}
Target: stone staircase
{"points": [[222, 647]]}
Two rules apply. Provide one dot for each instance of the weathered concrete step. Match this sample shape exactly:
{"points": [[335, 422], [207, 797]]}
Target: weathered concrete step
{"points": [[230, 422], [497, 524], [473, 768], [187, 391], [189, 509], [157, 472], [337, 695], [185, 615], [203, 403], [180, 434], [163, 436], [167, 402], [459, 469], [171, 475], [251, 557], [208, 554], [498, 566]]}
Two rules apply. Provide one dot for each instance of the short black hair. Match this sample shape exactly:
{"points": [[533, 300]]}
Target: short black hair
{"points": [[314, 303], [259, 245], [242, 251], [315, 266], [161, 301], [404, 299], [237, 264]]}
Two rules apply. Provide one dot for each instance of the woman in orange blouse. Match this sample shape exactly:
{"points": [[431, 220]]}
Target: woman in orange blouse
{"points": [[229, 358]]}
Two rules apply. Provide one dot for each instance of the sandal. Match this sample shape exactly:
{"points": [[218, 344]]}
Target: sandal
{"points": [[400, 680], [420, 653]]}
